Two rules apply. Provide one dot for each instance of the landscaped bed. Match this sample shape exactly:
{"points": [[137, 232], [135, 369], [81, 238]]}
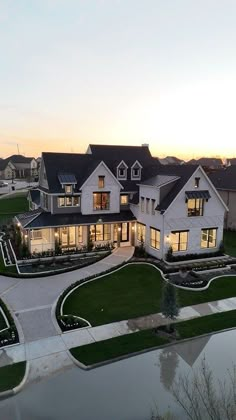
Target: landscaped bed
{"points": [[11, 376], [125, 345], [8, 331], [133, 291]]}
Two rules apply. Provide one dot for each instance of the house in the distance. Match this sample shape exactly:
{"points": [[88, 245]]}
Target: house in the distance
{"points": [[121, 194], [171, 160], [208, 164], [225, 183], [18, 166]]}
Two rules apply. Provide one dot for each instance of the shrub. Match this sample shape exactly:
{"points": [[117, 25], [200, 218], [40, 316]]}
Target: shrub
{"points": [[169, 255]]}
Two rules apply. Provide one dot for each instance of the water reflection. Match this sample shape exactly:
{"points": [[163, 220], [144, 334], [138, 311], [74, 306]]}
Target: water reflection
{"points": [[126, 390]]}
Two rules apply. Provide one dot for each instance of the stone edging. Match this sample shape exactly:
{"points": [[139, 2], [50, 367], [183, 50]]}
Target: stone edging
{"points": [[18, 388]]}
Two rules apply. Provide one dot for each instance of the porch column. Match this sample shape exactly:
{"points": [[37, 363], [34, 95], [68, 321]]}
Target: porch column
{"points": [[118, 235], [88, 235]]}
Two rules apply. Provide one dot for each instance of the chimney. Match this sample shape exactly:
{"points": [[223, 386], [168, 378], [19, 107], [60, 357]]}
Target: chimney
{"points": [[145, 145]]}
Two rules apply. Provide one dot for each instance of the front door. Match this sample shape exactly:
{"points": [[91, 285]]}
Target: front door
{"points": [[68, 236]]}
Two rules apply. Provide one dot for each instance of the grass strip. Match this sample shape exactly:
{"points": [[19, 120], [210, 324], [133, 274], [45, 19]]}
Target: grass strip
{"points": [[127, 344], [11, 376], [116, 347], [206, 324]]}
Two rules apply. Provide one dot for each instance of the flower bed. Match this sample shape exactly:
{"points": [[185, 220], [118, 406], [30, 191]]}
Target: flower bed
{"points": [[71, 322]]}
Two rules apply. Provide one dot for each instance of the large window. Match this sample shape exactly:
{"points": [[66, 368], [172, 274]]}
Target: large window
{"points": [[36, 234], [68, 189], [100, 232], [72, 201], [101, 201], [155, 238], [208, 239], [179, 241], [141, 232], [195, 207]]}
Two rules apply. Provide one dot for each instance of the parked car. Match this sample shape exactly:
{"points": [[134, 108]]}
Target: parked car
{"points": [[3, 184]]}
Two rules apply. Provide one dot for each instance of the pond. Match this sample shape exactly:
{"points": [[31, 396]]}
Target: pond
{"points": [[125, 390]]}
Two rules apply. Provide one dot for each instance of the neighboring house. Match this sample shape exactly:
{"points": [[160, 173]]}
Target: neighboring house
{"points": [[7, 170], [23, 166], [225, 183], [230, 161], [171, 160], [208, 164], [121, 194]]}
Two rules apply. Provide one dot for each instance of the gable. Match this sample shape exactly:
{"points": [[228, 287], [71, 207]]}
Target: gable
{"points": [[101, 170]]}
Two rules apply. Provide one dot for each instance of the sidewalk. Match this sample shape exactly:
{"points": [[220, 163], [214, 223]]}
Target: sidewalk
{"points": [[49, 355]]}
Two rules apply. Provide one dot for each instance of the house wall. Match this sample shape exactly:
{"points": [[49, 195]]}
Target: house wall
{"points": [[229, 198], [42, 176], [175, 218], [91, 186]]}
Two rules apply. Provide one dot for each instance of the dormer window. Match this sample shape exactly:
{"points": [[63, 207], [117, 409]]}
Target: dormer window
{"points": [[136, 171], [122, 171], [68, 189]]}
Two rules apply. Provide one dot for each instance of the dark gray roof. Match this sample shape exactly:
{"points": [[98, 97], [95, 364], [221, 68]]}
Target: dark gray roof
{"points": [[224, 179], [118, 153], [232, 161], [45, 219], [184, 172], [35, 196], [19, 159]]}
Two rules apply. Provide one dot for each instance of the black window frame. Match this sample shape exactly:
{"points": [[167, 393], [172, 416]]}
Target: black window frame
{"points": [[101, 206], [197, 210]]}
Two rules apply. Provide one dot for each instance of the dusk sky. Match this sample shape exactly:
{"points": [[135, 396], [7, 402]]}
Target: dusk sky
{"points": [[75, 72]]}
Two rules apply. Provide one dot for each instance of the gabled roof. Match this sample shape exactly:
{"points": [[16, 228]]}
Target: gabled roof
{"points": [[224, 179], [19, 159], [184, 172]]}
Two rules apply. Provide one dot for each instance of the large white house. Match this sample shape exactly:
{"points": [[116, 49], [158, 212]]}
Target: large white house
{"points": [[121, 194]]}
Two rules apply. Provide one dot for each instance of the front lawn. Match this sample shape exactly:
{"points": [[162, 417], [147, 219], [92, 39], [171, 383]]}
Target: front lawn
{"points": [[4, 269], [11, 206], [230, 242], [135, 291], [144, 340], [11, 376]]}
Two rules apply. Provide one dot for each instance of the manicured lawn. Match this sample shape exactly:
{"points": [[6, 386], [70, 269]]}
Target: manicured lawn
{"points": [[11, 375], [127, 344], [230, 242], [115, 347], [135, 291], [11, 206], [4, 269]]}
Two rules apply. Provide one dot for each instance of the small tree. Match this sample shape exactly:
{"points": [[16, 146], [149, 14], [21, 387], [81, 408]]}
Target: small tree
{"points": [[90, 244], [169, 303]]}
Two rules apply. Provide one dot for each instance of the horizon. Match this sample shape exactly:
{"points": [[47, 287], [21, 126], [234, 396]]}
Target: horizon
{"points": [[118, 72]]}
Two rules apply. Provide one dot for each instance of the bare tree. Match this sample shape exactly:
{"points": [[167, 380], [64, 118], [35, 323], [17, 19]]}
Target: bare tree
{"points": [[202, 397]]}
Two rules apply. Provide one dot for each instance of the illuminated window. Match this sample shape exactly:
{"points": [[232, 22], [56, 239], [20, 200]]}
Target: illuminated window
{"points": [[195, 207], [208, 238], [101, 181], [141, 232], [36, 234], [68, 201], [101, 201], [179, 241], [100, 232], [124, 199], [68, 189], [155, 238]]}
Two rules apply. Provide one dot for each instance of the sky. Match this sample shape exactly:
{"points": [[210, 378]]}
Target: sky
{"points": [[127, 72]]}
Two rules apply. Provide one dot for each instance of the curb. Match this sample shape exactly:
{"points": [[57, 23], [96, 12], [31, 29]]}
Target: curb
{"points": [[18, 388]]}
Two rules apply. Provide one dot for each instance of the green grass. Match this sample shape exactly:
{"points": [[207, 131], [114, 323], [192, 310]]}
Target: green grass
{"points": [[11, 206], [11, 375], [134, 291], [143, 340], [4, 269], [230, 242], [118, 346], [206, 324]]}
